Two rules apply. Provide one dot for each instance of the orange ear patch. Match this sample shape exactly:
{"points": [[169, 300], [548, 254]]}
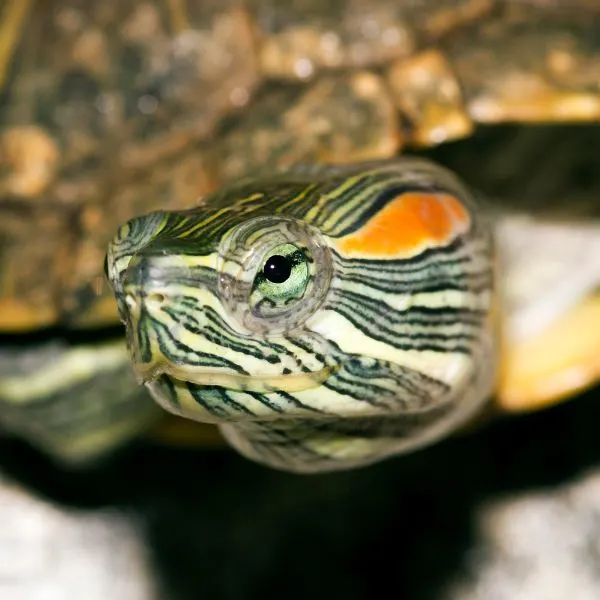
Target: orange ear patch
{"points": [[406, 225]]}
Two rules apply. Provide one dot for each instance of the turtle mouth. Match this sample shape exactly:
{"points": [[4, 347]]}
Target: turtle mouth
{"points": [[295, 382]]}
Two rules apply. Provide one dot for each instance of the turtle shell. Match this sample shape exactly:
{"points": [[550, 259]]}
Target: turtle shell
{"points": [[113, 109]]}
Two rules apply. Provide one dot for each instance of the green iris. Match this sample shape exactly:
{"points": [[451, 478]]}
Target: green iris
{"points": [[283, 277]]}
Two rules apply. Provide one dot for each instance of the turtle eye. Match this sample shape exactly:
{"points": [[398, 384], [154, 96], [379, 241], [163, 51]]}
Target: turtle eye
{"points": [[282, 280], [278, 268], [274, 273]]}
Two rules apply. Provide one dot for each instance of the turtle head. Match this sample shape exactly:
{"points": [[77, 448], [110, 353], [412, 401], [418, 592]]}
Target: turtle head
{"points": [[317, 295], [222, 308]]}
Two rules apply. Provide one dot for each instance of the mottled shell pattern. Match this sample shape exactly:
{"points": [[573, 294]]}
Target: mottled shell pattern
{"points": [[326, 317]]}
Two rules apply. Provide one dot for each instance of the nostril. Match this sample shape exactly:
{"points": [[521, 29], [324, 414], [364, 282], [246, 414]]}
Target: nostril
{"points": [[156, 297]]}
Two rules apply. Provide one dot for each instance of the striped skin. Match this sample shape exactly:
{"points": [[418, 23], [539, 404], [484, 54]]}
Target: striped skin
{"points": [[385, 343], [73, 402]]}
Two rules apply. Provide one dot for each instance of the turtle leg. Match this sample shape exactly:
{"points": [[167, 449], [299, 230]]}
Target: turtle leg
{"points": [[76, 403], [81, 403], [550, 293], [555, 364]]}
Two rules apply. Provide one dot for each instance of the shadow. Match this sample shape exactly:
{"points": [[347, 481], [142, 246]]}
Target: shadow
{"points": [[221, 527]]}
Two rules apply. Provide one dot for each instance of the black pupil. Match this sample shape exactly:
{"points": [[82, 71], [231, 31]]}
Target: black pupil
{"points": [[277, 269]]}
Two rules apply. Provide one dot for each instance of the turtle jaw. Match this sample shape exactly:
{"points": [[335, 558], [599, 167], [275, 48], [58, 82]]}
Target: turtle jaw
{"points": [[289, 383], [263, 376], [220, 394]]}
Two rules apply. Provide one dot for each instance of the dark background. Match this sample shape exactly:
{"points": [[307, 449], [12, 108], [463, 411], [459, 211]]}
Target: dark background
{"points": [[221, 527]]}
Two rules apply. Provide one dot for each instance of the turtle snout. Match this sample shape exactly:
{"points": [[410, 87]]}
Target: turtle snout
{"points": [[144, 283]]}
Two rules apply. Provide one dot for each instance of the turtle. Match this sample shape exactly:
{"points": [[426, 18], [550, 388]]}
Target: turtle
{"points": [[113, 111]]}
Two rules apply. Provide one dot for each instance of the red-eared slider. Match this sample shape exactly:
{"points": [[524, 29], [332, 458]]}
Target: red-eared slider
{"points": [[114, 110]]}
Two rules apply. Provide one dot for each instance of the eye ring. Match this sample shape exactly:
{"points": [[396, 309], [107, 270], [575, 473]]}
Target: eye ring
{"points": [[259, 304]]}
